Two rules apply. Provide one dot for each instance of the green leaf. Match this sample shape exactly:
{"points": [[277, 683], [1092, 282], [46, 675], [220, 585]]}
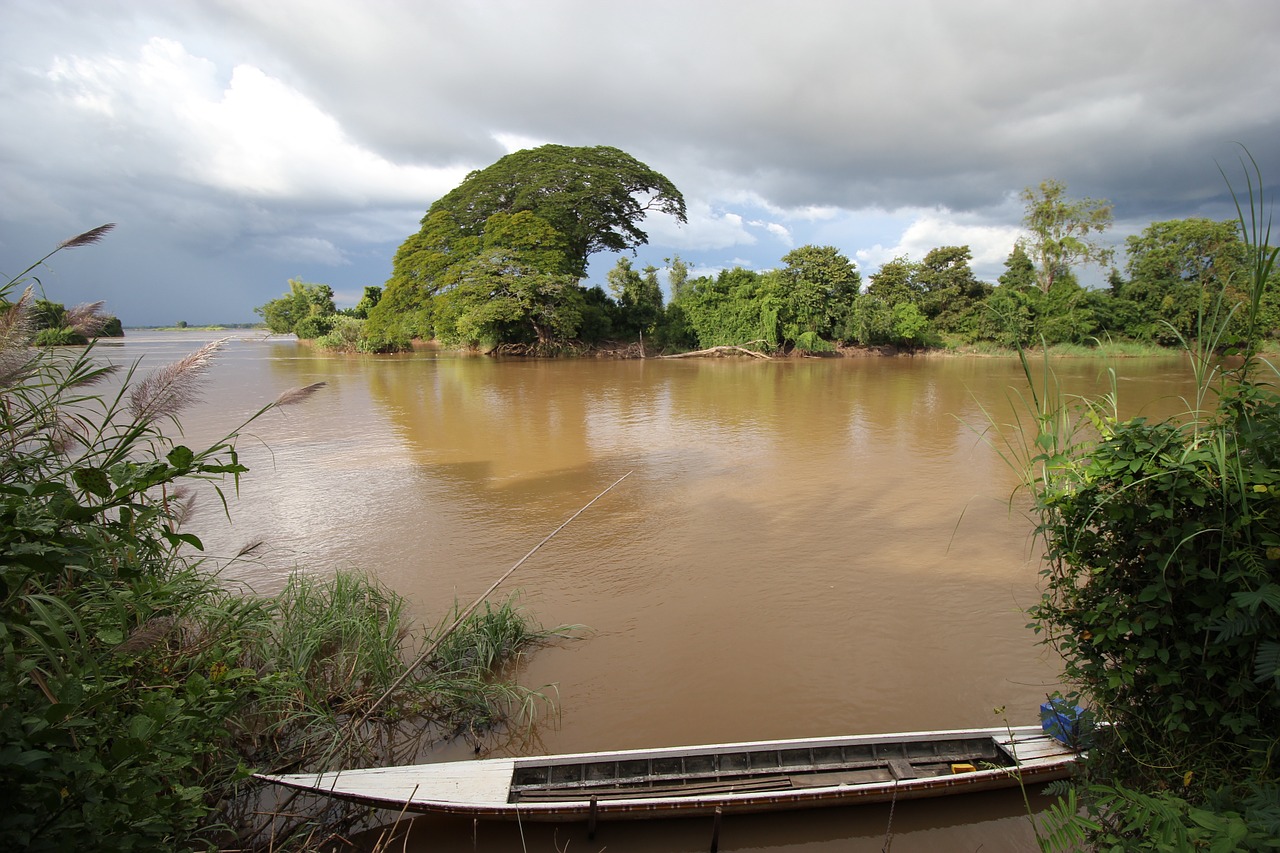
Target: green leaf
{"points": [[110, 636], [94, 481], [176, 539], [141, 727], [181, 457]]}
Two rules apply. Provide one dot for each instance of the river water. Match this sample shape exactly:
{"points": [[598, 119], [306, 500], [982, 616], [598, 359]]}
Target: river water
{"points": [[802, 548]]}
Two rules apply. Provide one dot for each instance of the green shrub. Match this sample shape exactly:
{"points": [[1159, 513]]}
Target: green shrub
{"points": [[59, 337], [1162, 592], [136, 693], [344, 336], [315, 326]]}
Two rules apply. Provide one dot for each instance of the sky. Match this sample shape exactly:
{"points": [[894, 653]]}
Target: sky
{"points": [[241, 143]]}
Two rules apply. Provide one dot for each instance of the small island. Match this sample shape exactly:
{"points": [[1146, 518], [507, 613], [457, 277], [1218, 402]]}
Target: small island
{"points": [[499, 262]]}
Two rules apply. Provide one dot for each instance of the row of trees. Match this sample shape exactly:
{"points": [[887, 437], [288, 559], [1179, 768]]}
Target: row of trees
{"points": [[1175, 272], [499, 261]]}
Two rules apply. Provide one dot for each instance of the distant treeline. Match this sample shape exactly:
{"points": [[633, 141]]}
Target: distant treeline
{"points": [[498, 264]]}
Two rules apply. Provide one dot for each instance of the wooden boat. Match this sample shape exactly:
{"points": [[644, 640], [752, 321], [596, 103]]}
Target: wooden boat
{"points": [[697, 780]]}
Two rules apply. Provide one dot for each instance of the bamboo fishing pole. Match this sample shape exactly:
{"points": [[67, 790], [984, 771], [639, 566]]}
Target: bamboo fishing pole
{"points": [[431, 650]]}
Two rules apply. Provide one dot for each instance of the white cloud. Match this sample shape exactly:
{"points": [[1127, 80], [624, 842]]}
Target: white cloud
{"points": [[304, 249], [708, 228], [214, 130], [254, 136], [990, 244], [777, 230], [513, 142]]}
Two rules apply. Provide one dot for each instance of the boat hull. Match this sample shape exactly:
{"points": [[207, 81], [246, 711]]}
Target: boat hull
{"points": [[705, 780]]}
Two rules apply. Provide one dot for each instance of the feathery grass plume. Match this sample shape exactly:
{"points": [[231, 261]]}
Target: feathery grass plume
{"points": [[66, 431], [16, 333], [146, 636], [88, 238], [297, 395], [181, 504], [250, 548], [86, 319], [171, 388]]}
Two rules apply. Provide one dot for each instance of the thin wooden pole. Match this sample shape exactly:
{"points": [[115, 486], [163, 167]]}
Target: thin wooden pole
{"points": [[431, 650], [715, 831]]}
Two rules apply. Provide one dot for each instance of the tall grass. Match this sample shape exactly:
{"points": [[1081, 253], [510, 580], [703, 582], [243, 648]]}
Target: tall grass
{"points": [[1160, 585], [137, 693]]}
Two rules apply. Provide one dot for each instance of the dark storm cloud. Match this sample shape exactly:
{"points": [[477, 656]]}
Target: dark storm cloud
{"points": [[903, 104], [246, 138]]}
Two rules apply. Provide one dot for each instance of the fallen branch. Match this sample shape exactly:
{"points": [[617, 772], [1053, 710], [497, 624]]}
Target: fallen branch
{"points": [[719, 351]]}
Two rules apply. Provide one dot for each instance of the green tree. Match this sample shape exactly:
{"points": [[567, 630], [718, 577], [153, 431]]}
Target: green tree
{"points": [[496, 298], [737, 307], [870, 323], [307, 305], [677, 275], [910, 326], [599, 315], [951, 295], [370, 298], [819, 287], [1066, 314], [1177, 269], [1059, 230], [595, 197], [897, 281], [1008, 315], [402, 314], [547, 209], [639, 297]]}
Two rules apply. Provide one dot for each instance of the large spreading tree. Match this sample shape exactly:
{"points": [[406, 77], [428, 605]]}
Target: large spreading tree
{"points": [[549, 207]]}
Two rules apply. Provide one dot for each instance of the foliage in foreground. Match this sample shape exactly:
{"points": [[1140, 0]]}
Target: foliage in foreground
{"points": [[1162, 593], [136, 691]]}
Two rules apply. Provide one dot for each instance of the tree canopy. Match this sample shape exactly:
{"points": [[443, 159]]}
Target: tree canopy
{"points": [[544, 211], [1060, 230], [306, 310], [499, 260], [594, 198]]}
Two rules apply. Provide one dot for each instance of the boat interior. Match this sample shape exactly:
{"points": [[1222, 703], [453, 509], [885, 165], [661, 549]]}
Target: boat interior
{"points": [[764, 769]]}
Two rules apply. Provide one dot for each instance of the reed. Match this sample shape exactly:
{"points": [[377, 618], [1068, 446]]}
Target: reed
{"points": [[1159, 586], [136, 690]]}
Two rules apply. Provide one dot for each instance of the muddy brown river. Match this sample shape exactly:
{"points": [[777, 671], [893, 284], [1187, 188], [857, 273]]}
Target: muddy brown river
{"points": [[804, 548]]}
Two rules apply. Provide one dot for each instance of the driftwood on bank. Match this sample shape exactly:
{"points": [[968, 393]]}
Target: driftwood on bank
{"points": [[719, 351]]}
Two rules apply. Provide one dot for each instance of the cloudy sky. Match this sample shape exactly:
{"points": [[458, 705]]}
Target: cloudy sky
{"points": [[239, 143]]}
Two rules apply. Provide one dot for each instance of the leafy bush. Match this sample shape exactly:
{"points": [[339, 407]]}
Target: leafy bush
{"points": [[59, 337], [315, 326], [135, 691], [1162, 591], [345, 335]]}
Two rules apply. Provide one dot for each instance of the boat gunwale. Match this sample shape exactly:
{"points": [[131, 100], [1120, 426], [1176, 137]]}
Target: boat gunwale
{"points": [[1012, 732]]}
